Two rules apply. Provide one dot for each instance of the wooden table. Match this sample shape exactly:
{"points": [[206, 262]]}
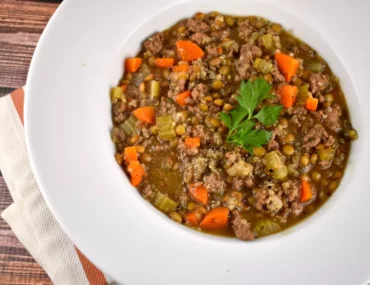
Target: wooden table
{"points": [[21, 24]]}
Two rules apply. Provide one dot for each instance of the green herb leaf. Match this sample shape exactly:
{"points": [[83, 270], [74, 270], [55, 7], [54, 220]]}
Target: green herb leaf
{"points": [[268, 115], [240, 120]]}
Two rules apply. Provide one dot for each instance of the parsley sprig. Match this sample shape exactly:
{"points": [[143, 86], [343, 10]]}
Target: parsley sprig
{"points": [[241, 121]]}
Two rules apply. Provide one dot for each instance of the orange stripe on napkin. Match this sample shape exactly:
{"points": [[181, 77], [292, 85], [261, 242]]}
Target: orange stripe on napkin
{"points": [[18, 101], [94, 275]]}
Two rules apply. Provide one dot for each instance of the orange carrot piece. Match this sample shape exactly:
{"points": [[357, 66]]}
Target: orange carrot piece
{"points": [[192, 142], [181, 98], [199, 193], [145, 114], [133, 64], [287, 65], [124, 87], [180, 68], [192, 218], [311, 104], [188, 50], [164, 62], [220, 50], [306, 192], [288, 94], [215, 219], [130, 154], [137, 172]]}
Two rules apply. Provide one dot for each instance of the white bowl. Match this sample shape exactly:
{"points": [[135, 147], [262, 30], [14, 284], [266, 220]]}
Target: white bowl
{"points": [[68, 121]]}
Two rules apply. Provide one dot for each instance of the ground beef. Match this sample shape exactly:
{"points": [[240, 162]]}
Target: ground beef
{"points": [[272, 145], [197, 26], [268, 200], [241, 227], [198, 131], [211, 51], [318, 82], [214, 182], [238, 183], [278, 77], [183, 150], [314, 136], [132, 91], [331, 117], [245, 29], [199, 92], [232, 157], [117, 109], [200, 165], [200, 38], [291, 190], [296, 208], [248, 53], [166, 107], [155, 43], [220, 34], [147, 192], [249, 182], [118, 134]]}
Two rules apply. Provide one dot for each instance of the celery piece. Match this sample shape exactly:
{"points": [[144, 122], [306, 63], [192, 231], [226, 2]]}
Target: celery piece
{"points": [[254, 36], [117, 94], [154, 89], [275, 166], [268, 41], [266, 227], [167, 135], [129, 126], [314, 65], [164, 122], [262, 65], [164, 203]]}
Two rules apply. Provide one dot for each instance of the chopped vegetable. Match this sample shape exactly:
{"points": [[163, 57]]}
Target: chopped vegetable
{"points": [[164, 122], [268, 42], [133, 64], [189, 51], [117, 94], [129, 126], [164, 203], [262, 65], [288, 94], [182, 97], [275, 166], [326, 154], [154, 89], [240, 169], [311, 104], [192, 218], [140, 148], [192, 142], [180, 68], [130, 154], [287, 65], [266, 227], [164, 62], [306, 192], [145, 114], [199, 193], [239, 121], [314, 65], [124, 87], [136, 171], [216, 219], [167, 135]]}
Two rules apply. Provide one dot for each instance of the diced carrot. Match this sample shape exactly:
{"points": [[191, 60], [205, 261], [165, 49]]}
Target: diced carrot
{"points": [[199, 193], [311, 104], [137, 172], [124, 87], [306, 191], [130, 154], [181, 98], [192, 218], [145, 114], [164, 62], [287, 65], [192, 142], [288, 94], [180, 68], [215, 219], [220, 50], [133, 64], [188, 50]]}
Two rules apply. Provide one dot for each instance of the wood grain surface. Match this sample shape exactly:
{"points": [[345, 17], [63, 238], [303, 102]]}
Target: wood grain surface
{"points": [[21, 24]]}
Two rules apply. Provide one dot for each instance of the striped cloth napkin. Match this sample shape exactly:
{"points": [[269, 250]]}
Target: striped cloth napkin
{"points": [[28, 216]]}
